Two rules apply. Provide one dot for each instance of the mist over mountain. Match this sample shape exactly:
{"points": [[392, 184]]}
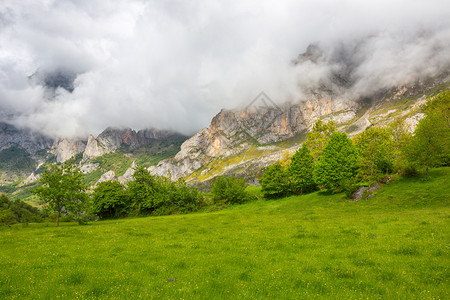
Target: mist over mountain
{"points": [[72, 68]]}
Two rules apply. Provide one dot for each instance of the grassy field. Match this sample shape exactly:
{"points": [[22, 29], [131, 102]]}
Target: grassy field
{"points": [[392, 246]]}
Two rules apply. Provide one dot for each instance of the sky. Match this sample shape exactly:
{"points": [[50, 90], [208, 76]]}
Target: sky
{"points": [[173, 64]]}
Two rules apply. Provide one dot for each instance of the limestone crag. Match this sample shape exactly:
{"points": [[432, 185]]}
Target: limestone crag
{"points": [[128, 175], [27, 139], [108, 176], [112, 139], [94, 148], [66, 148], [261, 122]]}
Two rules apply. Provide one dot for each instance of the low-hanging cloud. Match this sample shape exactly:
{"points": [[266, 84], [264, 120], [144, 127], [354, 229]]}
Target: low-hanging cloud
{"points": [[173, 64]]}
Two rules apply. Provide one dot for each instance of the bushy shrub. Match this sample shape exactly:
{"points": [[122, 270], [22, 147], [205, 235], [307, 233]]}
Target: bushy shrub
{"points": [[12, 212], [230, 190], [109, 200]]}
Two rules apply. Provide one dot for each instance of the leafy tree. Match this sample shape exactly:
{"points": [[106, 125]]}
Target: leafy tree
{"points": [[158, 195], [338, 163], [17, 211], [148, 193], [230, 189], [301, 171], [375, 146], [286, 159], [430, 144], [318, 137], [62, 189], [110, 200], [183, 197], [400, 140], [275, 181]]}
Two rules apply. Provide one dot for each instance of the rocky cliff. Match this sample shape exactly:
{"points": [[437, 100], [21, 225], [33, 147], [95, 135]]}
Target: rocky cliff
{"points": [[128, 139], [66, 148], [26, 139], [261, 122]]}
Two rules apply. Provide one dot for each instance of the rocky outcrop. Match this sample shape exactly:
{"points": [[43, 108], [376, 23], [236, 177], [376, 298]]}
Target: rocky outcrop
{"points": [[27, 139], [128, 175], [261, 122], [112, 139], [66, 148], [30, 179], [94, 148], [108, 176], [88, 168]]}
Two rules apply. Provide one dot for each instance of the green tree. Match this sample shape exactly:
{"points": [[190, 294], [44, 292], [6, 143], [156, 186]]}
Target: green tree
{"points": [[301, 171], [110, 200], [230, 189], [374, 146], [275, 181], [338, 163], [62, 189], [430, 144], [400, 140], [149, 193], [318, 137], [184, 198]]}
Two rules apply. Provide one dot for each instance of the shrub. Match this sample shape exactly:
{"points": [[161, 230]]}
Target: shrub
{"points": [[230, 190]]}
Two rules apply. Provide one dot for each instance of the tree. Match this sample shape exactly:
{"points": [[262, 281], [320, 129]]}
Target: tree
{"points": [[430, 144], [374, 146], [230, 189], [62, 189], [301, 171], [338, 163], [17, 211], [183, 197], [275, 181], [148, 193], [400, 140], [318, 137], [109, 199]]}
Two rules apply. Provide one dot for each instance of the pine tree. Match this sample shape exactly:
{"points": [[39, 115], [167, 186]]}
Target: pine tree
{"points": [[301, 171], [274, 182]]}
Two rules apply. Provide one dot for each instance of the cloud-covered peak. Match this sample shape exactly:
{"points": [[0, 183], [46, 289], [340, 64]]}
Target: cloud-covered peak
{"points": [[174, 64]]}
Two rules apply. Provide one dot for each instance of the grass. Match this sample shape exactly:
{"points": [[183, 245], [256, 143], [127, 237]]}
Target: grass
{"points": [[393, 246]]}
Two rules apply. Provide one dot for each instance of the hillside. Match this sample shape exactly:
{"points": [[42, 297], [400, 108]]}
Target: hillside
{"points": [[241, 141], [391, 246], [245, 141]]}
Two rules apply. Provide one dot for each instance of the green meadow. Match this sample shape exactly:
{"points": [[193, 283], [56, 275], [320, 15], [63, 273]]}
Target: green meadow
{"points": [[393, 246]]}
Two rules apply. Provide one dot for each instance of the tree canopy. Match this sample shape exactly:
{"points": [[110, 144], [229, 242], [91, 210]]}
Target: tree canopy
{"points": [[62, 189], [338, 163], [301, 170]]}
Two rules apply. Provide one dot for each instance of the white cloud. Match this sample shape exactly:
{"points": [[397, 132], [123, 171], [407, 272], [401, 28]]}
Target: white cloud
{"points": [[174, 64]]}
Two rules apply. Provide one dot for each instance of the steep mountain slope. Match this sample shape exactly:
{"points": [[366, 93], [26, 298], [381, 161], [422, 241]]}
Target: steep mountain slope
{"points": [[21, 151], [24, 153], [245, 141]]}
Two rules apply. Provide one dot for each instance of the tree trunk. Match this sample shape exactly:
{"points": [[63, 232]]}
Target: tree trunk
{"points": [[57, 219]]}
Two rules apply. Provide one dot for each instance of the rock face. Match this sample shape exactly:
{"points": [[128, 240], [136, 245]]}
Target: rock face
{"points": [[108, 176], [65, 148], [128, 175], [261, 122], [94, 148], [31, 141], [113, 139]]}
